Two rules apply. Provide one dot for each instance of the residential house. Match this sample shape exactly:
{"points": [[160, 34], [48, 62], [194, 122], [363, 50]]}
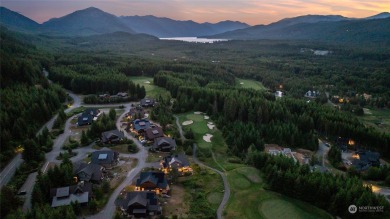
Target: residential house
{"points": [[81, 193], [147, 102], [153, 133], [105, 157], [152, 181], [136, 112], [140, 125], [365, 159], [88, 116], [164, 144], [178, 162], [88, 172], [140, 204], [279, 93], [112, 137], [84, 119], [122, 94]]}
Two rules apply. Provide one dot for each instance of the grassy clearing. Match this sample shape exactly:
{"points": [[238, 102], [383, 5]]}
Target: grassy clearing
{"points": [[151, 89], [204, 190], [249, 200], [377, 118], [244, 83]]}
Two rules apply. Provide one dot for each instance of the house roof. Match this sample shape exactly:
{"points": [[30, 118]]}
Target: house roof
{"points": [[139, 124], [180, 160], [110, 157], [93, 171], [153, 133], [147, 102], [84, 119], [79, 193], [144, 198], [157, 178], [112, 134], [164, 143]]}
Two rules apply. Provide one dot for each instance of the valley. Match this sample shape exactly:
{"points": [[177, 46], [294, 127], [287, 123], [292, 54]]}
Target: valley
{"points": [[102, 119]]}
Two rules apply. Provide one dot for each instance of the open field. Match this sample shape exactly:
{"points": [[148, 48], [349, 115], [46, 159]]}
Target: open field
{"points": [[244, 83], [249, 200], [151, 89], [377, 118]]}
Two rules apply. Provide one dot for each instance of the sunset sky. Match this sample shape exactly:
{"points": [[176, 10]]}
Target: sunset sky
{"points": [[249, 11]]}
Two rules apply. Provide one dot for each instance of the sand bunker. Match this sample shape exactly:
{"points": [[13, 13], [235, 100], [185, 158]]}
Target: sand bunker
{"points": [[207, 137], [367, 111], [210, 125], [241, 82], [198, 113], [147, 82], [188, 122], [206, 117]]}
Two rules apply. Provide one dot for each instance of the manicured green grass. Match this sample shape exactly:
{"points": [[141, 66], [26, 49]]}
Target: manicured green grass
{"points": [[151, 89], [199, 127], [244, 83], [377, 118], [248, 199]]}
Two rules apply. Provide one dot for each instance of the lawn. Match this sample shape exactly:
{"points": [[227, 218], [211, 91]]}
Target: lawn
{"points": [[151, 89], [244, 83], [248, 199], [377, 118]]}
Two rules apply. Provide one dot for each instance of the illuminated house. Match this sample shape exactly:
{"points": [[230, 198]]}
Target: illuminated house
{"points": [[366, 159], [152, 181], [153, 133], [140, 125], [178, 162], [136, 112]]}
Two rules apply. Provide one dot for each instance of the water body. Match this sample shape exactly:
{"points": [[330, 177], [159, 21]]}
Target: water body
{"points": [[194, 39]]}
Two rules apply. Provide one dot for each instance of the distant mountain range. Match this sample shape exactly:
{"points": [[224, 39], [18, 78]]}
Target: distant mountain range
{"points": [[165, 27], [318, 27], [92, 21]]}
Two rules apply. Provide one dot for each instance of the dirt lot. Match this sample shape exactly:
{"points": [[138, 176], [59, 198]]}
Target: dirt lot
{"points": [[121, 171], [176, 204]]}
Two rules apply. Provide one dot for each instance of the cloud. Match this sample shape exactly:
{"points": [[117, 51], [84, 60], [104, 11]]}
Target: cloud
{"points": [[250, 11]]}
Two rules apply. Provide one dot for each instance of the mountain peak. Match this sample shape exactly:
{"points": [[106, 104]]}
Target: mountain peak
{"points": [[382, 15]]}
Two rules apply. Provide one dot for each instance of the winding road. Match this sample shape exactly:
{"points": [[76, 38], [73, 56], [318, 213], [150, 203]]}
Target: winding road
{"points": [[109, 209], [226, 194]]}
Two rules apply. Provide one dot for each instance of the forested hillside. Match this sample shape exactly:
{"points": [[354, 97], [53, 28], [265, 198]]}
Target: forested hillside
{"points": [[27, 99], [245, 115]]}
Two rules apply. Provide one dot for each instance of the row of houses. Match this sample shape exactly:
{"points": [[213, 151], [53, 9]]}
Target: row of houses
{"points": [[143, 201]]}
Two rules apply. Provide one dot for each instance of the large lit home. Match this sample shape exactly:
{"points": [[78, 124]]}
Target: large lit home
{"points": [[140, 125], [152, 181], [153, 132], [178, 162]]}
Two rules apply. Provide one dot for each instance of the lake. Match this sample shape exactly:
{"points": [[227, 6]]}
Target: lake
{"points": [[194, 39]]}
